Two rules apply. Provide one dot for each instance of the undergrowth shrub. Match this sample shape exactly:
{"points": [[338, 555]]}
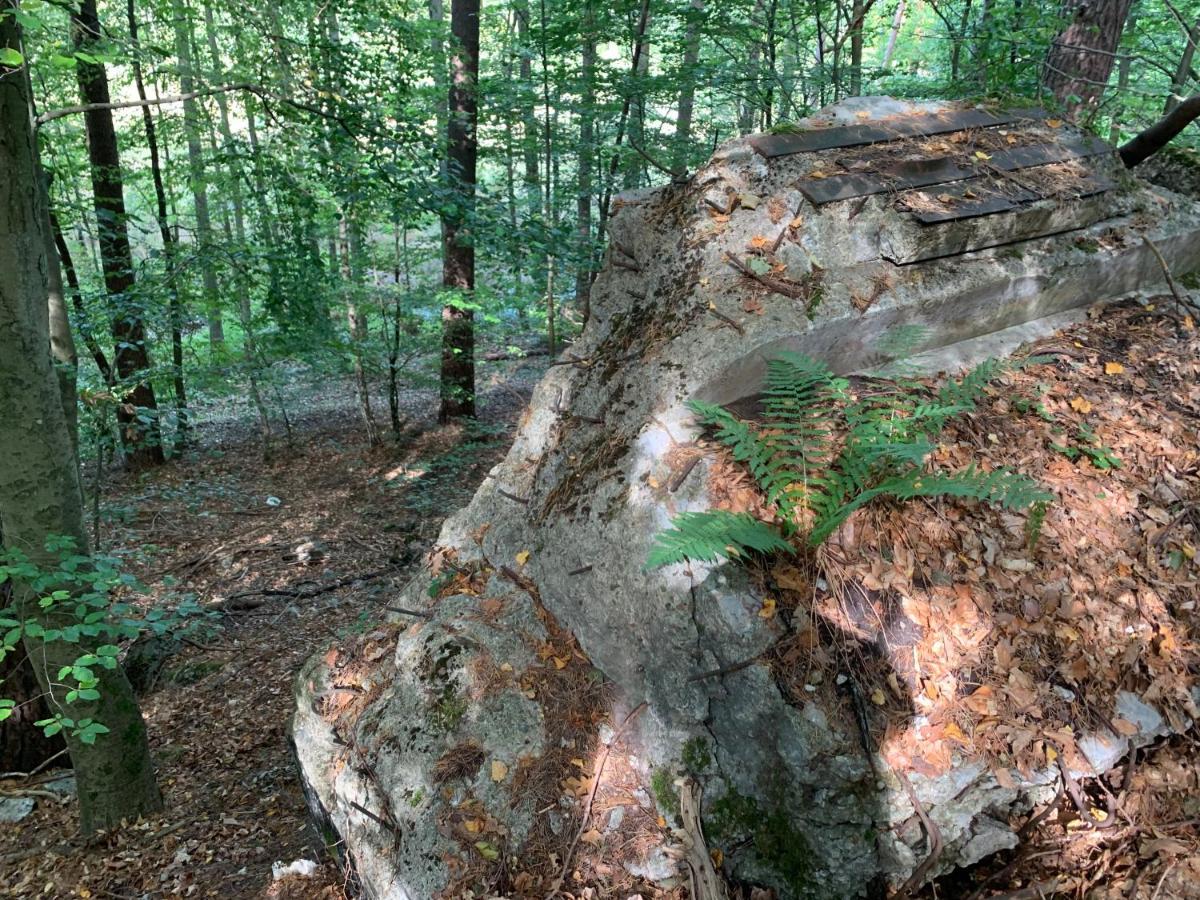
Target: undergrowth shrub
{"points": [[821, 452]]}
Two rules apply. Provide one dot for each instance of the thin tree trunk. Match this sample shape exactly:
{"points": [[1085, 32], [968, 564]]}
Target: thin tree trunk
{"points": [[1183, 72], [623, 119], [62, 344], [587, 140], [856, 48], [81, 317], [356, 320], [191, 128], [245, 314], [458, 255], [175, 304], [687, 88], [639, 75], [897, 23], [40, 493], [138, 411], [749, 103], [1081, 58]]}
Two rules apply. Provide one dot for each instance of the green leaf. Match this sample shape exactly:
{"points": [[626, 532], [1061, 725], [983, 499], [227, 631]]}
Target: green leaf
{"points": [[11, 58], [714, 535]]}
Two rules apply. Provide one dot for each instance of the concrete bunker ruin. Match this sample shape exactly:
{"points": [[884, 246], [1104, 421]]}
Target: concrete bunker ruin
{"points": [[876, 230]]}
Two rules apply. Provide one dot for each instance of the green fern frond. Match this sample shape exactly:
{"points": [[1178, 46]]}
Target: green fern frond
{"points": [[999, 487], [713, 535]]}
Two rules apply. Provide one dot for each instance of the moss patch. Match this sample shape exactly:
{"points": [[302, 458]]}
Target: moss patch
{"points": [[696, 755], [662, 783], [776, 841]]}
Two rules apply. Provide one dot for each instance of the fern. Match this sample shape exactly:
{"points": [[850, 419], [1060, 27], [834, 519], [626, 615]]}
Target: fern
{"points": [[715, 534], [821, 453]]}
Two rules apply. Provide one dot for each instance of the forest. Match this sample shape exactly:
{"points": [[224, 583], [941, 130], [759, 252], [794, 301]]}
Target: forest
{"points": [[280, 288]]}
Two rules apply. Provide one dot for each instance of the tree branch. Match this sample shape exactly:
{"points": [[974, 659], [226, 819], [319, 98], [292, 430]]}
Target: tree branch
{"points": [[51, 115]]}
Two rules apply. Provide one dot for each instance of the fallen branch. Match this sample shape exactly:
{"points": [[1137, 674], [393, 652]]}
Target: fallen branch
{"points": [[409, 612], [587, 807], [706, 884], [231, 604], [1180, 300], [795, 291]]}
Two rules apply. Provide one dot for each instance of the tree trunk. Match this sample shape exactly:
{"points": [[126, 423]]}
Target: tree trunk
{"points": [[687, 89], [67, 267], [458, 251], [623, 119], [897, 23], [191, 128], [245, 314], [748, 104], [138, 411], [1081, 58], [1183, 72], [39, 481], [62, 343], [175, 305], [587, 140], [857, 14], [639, 75]]}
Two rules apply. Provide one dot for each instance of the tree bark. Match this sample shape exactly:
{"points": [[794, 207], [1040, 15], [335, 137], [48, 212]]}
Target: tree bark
{"points": [[140, 434], [458, 251], [39, 481], [1081, 58], [175, 304]]}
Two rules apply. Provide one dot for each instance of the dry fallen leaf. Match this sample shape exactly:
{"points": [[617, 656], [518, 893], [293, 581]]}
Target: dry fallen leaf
{"points": [[591, 836], [1113, 368]]}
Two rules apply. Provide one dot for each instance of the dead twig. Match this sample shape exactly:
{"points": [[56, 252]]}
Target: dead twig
{"points": [[775, 285], [680, 477], [587, 806], [1181, 302], [728, 321], [932, 834], [729, 669], [409, 612]]}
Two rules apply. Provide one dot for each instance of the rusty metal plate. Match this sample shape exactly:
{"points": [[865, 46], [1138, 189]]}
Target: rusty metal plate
{"points": [[985, 200], [772, 145], [940, 170]]}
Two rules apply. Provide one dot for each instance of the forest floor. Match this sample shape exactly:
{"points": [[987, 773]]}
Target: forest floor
{"points": [[225, 523], [335, 528]]}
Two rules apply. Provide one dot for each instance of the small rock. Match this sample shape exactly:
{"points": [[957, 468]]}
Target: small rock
{"points": [[14, 809], [304, 868], [616, 817]]}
